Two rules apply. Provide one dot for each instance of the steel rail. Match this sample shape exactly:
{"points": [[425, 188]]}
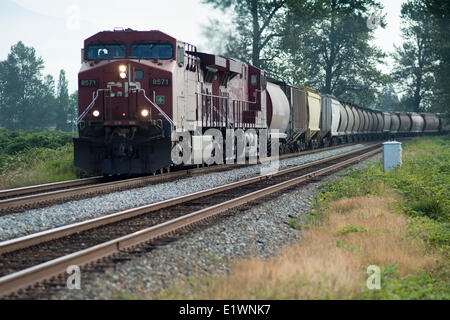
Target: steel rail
{"points": [[35, 199], [8, 193], [64, 231], [13, 198], [306, 152], [25, 278], [78, 191]]}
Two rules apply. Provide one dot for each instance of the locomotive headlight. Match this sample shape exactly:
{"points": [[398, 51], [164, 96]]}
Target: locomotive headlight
{"points": [[145, 113], [123, 71], [96, 113]]}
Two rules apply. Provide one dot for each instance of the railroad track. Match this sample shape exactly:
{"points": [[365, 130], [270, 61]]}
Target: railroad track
{"points": [[21, 199], [30, 190], [29, 260]]}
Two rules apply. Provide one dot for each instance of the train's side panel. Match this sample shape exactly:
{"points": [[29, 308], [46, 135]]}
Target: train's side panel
{"points": [[299, 111], [351, 120], [362, 120], [370, 121], [366, 121], [369, 115], [380, 122], [336, 117], [280, 109], [395, 122], [387, 121], [374, 122], [344, 120], [431, 122], [444, 124], [417, 123], [314, 113], [357, 120], [325, 115], [405, 123]]}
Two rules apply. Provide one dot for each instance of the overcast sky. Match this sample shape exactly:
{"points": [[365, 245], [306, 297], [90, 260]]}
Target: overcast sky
{"points": [[57, 28]]}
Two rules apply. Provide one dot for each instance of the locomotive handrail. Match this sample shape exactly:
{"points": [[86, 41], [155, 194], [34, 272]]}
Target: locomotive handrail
{"points": [[211, 95], [225, 118], [172, 125], [250, 102], [91, 105]]}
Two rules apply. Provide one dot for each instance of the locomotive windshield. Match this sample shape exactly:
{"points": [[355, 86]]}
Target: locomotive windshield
{"points": [[151, 51], [106, 51]]}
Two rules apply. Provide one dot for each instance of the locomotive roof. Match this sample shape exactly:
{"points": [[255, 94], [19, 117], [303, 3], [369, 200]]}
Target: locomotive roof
{"points": [[129, 35]]}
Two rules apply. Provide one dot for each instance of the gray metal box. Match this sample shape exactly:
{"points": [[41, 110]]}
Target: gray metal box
{"points": [[392, 155]]}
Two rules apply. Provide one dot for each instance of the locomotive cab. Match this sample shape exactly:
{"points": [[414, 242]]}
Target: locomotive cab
{"points": [[125, 102]]}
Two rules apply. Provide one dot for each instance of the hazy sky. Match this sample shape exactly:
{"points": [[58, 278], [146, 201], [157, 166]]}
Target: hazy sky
{"points": [[57, 28]]}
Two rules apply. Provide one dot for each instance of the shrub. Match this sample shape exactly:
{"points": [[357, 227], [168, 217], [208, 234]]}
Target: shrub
{"points": [[435, 234], [34, 158], [12, 142], [431, 285]]}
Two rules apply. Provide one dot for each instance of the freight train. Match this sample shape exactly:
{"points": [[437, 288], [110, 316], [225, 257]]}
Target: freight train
{"points": [[140, 90]]}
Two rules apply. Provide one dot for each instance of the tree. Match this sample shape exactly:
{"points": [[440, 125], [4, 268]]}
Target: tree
{"points": [[46, 102], [258, 24], [27, 98], [73, 109], [439, 11], [389, 100], [414, 60], [62, 103], [329, 45], [20, 86]]}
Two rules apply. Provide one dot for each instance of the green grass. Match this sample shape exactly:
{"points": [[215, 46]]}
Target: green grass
{"points": [[35, 158], [423, 182], [295, 223], [39, 165], [12, 142], [349, 229], [408, 216], [429, 285]]}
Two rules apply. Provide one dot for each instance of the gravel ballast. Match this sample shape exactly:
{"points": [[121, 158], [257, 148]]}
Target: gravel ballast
{"points": [[32, 221], [258, 231]]}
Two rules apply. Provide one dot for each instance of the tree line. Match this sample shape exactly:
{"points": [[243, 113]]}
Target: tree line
{"points": [[28, 99], [327, 45], [323, 44]]}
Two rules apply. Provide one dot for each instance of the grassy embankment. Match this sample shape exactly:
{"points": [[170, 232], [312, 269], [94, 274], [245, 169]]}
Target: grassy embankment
{"points": [[398, 221], [35, 158]]}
